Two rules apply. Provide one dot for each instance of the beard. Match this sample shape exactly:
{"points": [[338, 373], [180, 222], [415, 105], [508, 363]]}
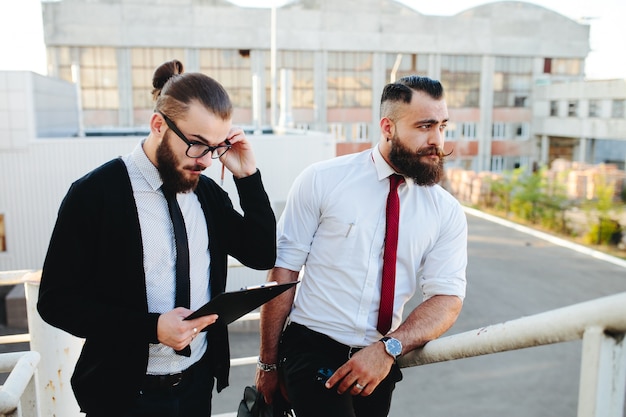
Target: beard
{"points": [[173, 179], [410, 163]]}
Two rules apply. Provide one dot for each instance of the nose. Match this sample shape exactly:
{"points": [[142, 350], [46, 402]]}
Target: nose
{"points": [[205, 160], [436, 138]]}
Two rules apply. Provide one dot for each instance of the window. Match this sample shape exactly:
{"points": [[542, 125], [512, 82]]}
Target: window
{"points": [[468, 130], [572, 108], [498, 130], [401, 65], [451, 133], [98, 78], [617, 109], [301, 64], [594, 108], [521, 131], [349, 80], [554, 108], [232, 69], [3, 237], [98, 74], [512, 81], [460, 75], [563, 66]]}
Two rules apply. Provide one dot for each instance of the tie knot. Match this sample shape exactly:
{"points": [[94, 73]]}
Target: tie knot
{"points": [[395, 180]]}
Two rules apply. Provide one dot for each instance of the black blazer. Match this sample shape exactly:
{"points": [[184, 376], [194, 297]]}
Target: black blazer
{"points": [[93, 283]]}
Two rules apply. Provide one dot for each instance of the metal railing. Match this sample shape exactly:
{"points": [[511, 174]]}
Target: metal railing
{"points": [[18, 395]]}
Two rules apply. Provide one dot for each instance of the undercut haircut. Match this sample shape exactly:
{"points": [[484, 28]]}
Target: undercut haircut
{"points": [[401, 91]]}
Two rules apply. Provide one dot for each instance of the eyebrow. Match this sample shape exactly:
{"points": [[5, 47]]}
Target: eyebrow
{"points": [[431, 121], [202, 139]]}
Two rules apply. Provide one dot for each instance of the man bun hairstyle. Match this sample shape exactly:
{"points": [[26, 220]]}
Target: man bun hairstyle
{"points": [[174, 90]]}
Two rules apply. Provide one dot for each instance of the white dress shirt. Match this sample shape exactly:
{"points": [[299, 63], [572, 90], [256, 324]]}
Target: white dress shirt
{"points": [[334, 225], [159, 255]]}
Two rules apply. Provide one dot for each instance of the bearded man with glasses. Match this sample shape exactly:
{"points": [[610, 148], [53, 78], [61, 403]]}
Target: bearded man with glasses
{"points": [[142, 241]]}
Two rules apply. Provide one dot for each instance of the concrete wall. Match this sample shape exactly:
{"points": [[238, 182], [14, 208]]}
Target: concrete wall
{"points": [[32, 106], [501, 28]]}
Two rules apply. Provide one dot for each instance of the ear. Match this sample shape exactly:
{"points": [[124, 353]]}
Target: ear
{"points": [[387, 127], [157, 124]]}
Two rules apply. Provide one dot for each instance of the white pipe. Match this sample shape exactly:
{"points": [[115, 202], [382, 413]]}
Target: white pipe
{"points": [[59, 352], [17, 390], [561, 325]]}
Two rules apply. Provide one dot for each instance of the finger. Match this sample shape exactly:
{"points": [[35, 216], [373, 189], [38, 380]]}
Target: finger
{"points": [[235, 135], [337, 376], [201, 322], [358, 389]]}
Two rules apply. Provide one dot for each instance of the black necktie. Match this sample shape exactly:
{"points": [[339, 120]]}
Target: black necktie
{"points": [[182, 258]]}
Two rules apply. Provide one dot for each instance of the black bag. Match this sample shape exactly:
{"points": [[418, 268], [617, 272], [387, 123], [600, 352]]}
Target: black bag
{"points": [[253, 405]]}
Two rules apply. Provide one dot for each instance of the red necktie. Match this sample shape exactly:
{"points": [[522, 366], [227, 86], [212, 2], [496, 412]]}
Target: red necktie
{"points": [[385, 311]]}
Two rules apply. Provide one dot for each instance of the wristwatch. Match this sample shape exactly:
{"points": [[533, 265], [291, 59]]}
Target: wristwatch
{"points": [[392, 346]]}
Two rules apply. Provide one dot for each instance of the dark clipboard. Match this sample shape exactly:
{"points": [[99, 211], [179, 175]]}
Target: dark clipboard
{"points": [[234, 304]]}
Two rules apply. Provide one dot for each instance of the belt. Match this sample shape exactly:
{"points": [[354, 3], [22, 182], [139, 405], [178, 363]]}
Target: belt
{"points": [[152, 382], [321, 341]]}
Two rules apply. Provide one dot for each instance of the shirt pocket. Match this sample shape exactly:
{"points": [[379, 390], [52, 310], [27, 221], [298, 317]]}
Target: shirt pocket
{"points": [[335, 239]]}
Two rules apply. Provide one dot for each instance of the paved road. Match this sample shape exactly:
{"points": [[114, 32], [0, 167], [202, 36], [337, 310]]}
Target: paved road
{"points": [[510, 274]]}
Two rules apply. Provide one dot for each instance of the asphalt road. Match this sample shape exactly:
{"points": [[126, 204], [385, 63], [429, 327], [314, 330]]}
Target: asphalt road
{"points": [[510, 275]]}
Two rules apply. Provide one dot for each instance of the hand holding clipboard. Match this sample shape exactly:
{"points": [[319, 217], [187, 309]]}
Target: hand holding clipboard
{"points": [[230, 306]]}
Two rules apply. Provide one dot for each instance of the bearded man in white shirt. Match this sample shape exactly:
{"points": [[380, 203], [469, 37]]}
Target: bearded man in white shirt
{"points": [[322, 349]]}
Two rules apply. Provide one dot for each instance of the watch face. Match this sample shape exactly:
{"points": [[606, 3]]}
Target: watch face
{"points": [[393, 346]]}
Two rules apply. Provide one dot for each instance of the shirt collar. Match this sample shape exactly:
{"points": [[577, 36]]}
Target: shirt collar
{"points": [[383, 169], [146, 167]]}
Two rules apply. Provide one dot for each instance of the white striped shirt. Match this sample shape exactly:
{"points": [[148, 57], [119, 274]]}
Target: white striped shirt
{"points": [[159, 253]]}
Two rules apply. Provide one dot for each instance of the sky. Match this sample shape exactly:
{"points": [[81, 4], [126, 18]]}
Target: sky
{"points": [[22, 48]]}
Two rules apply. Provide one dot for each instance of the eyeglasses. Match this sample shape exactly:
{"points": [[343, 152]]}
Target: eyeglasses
{"points": [[198, 149]]}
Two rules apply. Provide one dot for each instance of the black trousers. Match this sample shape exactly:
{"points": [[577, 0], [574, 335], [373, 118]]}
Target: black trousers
{"points": [[191, 397], [308, 358]]}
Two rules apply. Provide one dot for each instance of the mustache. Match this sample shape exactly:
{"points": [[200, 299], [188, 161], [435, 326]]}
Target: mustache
{"points": [[195, 167], [433, 150]]}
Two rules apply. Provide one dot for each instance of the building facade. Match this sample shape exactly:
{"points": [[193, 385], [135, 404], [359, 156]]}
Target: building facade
{"points": [[322, 64], [582, 121]]}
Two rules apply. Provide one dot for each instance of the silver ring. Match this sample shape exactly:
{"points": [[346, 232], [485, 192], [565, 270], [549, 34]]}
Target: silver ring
{"points": [[359, 386]]}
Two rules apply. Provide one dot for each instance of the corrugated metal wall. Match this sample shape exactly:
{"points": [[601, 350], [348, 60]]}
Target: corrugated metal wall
{"points": [[34, 180]]}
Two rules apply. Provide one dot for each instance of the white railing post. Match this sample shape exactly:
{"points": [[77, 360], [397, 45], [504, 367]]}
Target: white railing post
{"points": [[602, 374], [18, 397], [59, 352]]}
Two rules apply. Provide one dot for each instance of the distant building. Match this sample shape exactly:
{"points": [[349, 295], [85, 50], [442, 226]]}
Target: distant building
{"points": [[582, 121], [328, 63]]}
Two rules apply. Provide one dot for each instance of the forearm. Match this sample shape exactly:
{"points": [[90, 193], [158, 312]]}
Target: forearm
{"points": [[428, 321], [274, 314], [254, 235]]}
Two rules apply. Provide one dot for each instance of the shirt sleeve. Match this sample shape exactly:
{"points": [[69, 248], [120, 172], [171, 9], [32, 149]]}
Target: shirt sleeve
{"points": [[444, 266], [299, 221]]}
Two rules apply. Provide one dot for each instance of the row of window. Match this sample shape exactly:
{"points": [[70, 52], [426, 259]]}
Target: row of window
{"points": [[348, 75], [595, 108], [499, 130]]}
